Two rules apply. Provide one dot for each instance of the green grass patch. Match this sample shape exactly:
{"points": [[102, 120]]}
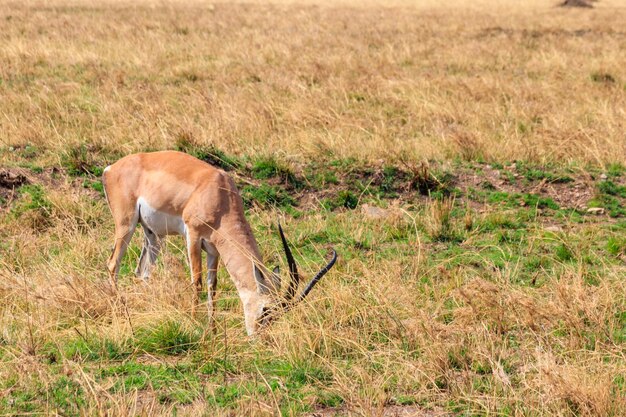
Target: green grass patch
{"points": [[67, 396], [33, 198], [610, 188], [534, 200], [36, 169], [217, 366], [95, 185], [290, 383], [296, 374], [80, 160], [610, 203], [266, 195], [270, 167], [319, 175], [388, 185], [86, 349], [344, 199], [168, 337], [619, 333], [33, 207], [173, 383], [535, 173], [434, 183], [62, 396], [501, 220], [19, 401], [564, 253], [514, 199], [228, 396], [616, 245], [610, 196], [615, 170]]}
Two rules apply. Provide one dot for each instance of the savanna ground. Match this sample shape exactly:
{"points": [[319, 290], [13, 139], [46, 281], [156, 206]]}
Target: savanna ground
{"points": [[465, 159]]}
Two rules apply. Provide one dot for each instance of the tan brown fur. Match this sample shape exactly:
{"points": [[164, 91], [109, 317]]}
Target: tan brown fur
{"points": [[210, 206]]}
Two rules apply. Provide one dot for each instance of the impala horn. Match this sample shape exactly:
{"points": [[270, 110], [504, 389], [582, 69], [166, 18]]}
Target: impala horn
{"points": [[293, 268], [295, 276]]}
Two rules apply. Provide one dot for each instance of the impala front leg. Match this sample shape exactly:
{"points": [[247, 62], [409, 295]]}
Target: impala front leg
{"points": [[211, 261], [194, 250]]}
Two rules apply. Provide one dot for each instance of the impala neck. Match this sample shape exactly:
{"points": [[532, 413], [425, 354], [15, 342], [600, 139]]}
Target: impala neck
{"points": [[239, 251]]}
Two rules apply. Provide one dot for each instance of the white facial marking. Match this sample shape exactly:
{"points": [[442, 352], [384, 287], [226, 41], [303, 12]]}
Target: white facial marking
{"points": [[253, 304]]}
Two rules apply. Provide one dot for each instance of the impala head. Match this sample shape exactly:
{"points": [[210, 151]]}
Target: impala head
{"points": [[269, 304]]}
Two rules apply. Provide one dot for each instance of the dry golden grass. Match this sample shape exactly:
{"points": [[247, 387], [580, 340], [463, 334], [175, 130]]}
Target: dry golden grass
{"points": [[472, 319], [384, 328], [492, 80]]}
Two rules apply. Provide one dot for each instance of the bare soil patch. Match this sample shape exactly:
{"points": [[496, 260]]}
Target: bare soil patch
{"points": [[573, 194], [576, 3], [387, 411], [10, 180]]}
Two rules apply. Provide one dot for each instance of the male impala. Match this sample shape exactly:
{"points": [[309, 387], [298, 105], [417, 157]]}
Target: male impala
{"points": [[172, 193]]}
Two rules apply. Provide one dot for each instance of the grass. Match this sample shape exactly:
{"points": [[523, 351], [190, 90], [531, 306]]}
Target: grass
{"points": [[211, 153], [492, 288], [267, 196], [34, 208], [609, 196], [344, 199], [484, 288], [81, 161], [166, 338]]}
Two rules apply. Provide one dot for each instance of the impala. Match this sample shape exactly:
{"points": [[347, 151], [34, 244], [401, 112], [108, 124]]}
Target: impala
{"points": [[172, 193]]}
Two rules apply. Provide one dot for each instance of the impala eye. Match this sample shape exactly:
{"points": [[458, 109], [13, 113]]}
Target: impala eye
{"points": [[264, 314]]}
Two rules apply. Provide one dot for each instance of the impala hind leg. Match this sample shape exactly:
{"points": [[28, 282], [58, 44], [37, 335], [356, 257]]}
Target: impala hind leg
{"points": [[123, 234], [212, 259], [149, 253]]}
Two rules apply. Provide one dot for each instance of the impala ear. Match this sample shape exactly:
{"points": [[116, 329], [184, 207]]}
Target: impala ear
{"points": [[275, 278], [260, 280]]}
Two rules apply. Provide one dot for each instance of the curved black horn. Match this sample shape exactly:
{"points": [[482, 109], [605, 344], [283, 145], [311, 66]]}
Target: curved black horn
{"points": [[317, 277], [293, 268]]}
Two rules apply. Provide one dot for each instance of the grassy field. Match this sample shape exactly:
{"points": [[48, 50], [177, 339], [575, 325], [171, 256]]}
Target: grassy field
{"points": [[467, 160]]}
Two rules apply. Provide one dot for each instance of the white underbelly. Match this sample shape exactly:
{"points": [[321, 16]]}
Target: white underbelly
{"points": [[160, 223]]}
